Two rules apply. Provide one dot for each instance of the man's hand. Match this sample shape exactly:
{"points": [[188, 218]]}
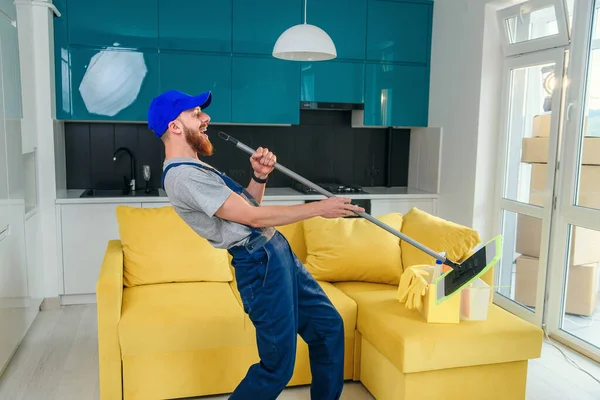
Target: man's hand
{"points": [[337, 207], [262, 162]]}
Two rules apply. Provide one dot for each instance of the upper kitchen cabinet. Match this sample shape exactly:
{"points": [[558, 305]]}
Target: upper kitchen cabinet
{"points": [[130, 24], [344, 21], [265, 90], [333, 81], [8, 7], [194, 73], [110, 84], [258, 23], [399, 31], [396, 95], [202, 25]]}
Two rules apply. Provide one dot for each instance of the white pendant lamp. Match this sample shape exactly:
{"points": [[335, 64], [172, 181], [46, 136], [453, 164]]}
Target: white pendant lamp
{"points": [[304, 42]]}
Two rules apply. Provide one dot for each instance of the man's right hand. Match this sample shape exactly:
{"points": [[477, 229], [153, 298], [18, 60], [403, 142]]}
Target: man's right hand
{"points": [[336, 207]]}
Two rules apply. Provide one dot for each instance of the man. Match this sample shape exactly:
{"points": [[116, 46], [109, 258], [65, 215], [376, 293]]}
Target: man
{"points": [[280, 296]]}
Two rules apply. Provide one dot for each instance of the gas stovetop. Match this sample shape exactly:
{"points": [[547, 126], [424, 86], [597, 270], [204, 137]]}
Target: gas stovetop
{"points": [[336, 188]]}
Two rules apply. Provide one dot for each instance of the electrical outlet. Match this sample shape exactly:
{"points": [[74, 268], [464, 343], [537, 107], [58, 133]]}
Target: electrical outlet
{"points": [[237, 173]]}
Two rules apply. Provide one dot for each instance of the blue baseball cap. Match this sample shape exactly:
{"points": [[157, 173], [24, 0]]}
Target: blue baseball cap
{"points": [[167, 106]]}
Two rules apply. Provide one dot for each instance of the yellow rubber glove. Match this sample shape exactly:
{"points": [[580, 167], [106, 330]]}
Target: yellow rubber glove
{"points": [[413, 286]]}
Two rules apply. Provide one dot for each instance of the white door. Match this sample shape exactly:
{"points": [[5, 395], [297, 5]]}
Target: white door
{"points": [[573, 313], [535, 43]]}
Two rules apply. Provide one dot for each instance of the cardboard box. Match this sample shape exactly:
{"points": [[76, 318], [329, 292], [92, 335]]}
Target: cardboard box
{"points": [[585, 243], [582, 286], [589, 185], [541, 125], [542, 122], [535, 150]]}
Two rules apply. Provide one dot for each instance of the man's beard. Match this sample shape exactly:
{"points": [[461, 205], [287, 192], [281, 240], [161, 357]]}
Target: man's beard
{"points": [[200, 144]]}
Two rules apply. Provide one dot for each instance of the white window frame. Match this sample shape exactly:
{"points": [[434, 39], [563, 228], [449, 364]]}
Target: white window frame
{"points": [[547, 42], [567, 212], [543, 213]]}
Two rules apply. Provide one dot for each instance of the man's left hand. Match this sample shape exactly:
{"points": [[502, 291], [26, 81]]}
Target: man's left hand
{"points": [[262, 162]]}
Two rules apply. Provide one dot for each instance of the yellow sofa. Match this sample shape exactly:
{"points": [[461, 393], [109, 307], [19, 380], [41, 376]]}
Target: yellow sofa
{"points": [[171, 323]]}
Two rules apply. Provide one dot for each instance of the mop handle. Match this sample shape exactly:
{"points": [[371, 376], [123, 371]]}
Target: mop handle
{"points": [[326, 193]]}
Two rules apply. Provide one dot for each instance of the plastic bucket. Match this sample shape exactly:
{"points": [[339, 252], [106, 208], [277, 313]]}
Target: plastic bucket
{"points": [[475, 301]]}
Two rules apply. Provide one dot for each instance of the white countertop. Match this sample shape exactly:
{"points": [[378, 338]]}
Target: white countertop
{"points": [[72, 196]]}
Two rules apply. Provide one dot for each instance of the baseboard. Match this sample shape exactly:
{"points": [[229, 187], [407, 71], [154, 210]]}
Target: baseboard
{"points": [[74, 299], [50, 303]]}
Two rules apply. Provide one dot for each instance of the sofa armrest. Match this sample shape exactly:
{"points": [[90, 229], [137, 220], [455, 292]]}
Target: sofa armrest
{"points": [[109, 297]]}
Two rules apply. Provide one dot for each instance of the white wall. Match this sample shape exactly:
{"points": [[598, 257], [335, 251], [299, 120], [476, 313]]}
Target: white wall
{"points": [[464, 100], [37, 55], [20, 296]]}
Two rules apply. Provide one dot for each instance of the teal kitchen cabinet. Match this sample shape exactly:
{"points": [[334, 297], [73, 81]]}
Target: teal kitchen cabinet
{"points": [[333, 81], [257, 24], [399, 31], [344, 21], [265, 90], [8, 7], [61, 63], [109, 84], [201, 25], [194, 73], [396, 95], [118, 23]]}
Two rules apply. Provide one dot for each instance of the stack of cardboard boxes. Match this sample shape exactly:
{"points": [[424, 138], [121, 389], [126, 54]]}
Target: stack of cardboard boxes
{"points": [[582, 286]]}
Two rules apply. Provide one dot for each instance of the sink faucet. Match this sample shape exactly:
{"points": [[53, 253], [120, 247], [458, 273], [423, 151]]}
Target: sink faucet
{"points": [[131, 156]]}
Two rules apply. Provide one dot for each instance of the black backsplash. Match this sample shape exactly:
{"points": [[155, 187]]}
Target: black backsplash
{"points": [[323, 148]]}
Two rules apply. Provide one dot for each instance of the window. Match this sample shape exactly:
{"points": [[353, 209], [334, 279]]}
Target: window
{"points": [[534, 25]]}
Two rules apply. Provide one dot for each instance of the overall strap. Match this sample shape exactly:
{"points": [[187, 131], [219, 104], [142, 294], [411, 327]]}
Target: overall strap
{"points": [[168, 167]]}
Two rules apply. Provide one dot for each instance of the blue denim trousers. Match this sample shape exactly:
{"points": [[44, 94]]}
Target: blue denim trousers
{"points": [[283, 300]]}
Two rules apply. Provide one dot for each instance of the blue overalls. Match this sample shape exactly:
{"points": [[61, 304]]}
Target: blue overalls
{"points": [[283, 300]]}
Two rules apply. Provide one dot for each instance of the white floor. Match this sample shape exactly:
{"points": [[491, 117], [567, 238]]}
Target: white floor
{"points": [[58, 360]]}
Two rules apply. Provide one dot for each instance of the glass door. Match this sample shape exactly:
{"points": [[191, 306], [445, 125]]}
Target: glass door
{"points": [[527, 164], [573, 312]]}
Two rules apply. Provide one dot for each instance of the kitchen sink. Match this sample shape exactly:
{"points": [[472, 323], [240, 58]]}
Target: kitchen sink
{"points": [[119, 193]]}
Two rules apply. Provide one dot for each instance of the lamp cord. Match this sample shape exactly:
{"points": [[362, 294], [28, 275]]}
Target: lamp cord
{"points": [[305, 1], [569, 360]]}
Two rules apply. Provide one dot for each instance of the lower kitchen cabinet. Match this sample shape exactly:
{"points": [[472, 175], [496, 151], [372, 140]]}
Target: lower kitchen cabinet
{"points": [[86, 230], [156, 205], [385, 206]]}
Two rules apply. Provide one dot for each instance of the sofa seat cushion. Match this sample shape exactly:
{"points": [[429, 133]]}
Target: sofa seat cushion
{"points": [[413, 345], [176, 317]]}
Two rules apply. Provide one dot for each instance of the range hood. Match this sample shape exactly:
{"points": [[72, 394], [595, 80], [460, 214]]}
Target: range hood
{"points": [[318, 105]]}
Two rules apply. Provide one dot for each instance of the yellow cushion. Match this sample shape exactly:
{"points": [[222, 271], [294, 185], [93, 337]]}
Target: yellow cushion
{"points": [[198, 315], [437, 234], [294, 233], [176, 317], [159, 247], [413, 345], [353, 249]]}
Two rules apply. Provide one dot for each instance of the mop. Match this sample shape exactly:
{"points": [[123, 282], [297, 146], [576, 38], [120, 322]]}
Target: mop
{"points": [[450, 282]]}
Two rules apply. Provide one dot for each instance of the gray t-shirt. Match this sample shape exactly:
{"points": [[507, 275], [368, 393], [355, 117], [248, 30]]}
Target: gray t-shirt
{"points": [[196, 194]]}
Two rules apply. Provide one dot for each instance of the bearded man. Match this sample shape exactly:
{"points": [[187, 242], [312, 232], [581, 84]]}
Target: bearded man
{"points": [[280, 296]]}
